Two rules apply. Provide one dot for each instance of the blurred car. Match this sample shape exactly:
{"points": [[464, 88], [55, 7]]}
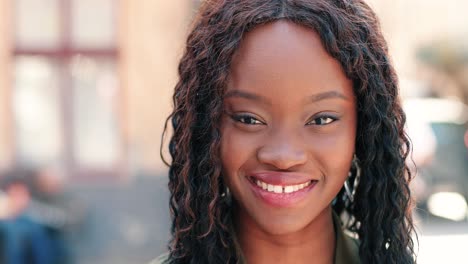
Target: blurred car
{"points": [[441, 158]]}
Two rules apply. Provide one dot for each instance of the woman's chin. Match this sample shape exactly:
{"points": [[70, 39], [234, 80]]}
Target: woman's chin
{"points": [[280, 227]]}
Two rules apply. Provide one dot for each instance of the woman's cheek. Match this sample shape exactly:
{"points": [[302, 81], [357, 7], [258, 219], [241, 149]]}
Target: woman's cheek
{"points": [[230, 148], [333, 151], [237, 148]]}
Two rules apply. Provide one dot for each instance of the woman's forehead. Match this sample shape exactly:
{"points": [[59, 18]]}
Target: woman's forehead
{"points": [[284, 55]]}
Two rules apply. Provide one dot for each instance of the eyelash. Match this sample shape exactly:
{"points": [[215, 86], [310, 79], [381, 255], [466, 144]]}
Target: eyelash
{"points": [[254, 121], [240, 118], [330, 119]]}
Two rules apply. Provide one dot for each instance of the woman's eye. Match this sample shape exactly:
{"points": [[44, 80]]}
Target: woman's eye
{"points": [[323, 120], [246, 119]]}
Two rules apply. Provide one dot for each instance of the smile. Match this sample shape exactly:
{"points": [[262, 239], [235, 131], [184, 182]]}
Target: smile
{"points": [[281, 195], [281, 188]]}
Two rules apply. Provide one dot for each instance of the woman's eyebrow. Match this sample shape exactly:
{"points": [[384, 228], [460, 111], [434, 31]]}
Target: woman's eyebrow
{"points": [[247, 95], [325, 95], [258, 98]]}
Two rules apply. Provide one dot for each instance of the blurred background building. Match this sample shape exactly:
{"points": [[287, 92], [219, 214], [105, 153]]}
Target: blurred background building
{"points": [[86, 85], [91, 80]]}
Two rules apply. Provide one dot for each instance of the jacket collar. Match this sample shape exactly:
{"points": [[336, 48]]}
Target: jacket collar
{"points": [[347, 247]]}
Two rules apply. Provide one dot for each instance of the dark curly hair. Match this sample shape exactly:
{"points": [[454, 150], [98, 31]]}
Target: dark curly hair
{"points": [[350, 32]]}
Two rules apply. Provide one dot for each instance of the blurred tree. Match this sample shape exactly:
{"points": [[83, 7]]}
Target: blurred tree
{"points": [[450, 59]]}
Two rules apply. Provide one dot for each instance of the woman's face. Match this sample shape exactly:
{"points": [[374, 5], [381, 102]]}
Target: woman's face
{"points": [[289, 128]]}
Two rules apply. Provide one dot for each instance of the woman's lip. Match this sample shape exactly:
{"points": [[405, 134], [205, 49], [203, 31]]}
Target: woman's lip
{"points": [[281, 178], [281, 199]]}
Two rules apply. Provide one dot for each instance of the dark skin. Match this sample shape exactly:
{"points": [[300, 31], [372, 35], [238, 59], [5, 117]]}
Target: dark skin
{"points": [[289, 108]]}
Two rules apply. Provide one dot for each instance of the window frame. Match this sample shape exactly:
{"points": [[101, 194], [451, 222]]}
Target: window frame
{"points": [[63, 54]]}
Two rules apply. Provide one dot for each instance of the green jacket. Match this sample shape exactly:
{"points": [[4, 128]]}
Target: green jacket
{"points": [[347, 248]]}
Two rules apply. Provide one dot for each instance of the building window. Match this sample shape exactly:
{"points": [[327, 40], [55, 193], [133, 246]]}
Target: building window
{"points": [[66, 93]]}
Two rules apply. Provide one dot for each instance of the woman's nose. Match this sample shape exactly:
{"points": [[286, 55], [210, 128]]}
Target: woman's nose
{"points": [[283, 152]]}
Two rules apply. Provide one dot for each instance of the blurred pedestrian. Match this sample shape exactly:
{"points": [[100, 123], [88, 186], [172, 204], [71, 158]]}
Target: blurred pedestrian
{"points": [[37, 215], [56, 210], [24, 240]]}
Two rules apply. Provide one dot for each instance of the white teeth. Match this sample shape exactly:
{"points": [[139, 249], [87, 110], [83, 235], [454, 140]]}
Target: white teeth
{"points": [[270, 187], [278, 189], [281, 189]]}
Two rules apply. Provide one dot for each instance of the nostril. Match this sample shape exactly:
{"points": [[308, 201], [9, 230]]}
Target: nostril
{"points": [[282, 157]]}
